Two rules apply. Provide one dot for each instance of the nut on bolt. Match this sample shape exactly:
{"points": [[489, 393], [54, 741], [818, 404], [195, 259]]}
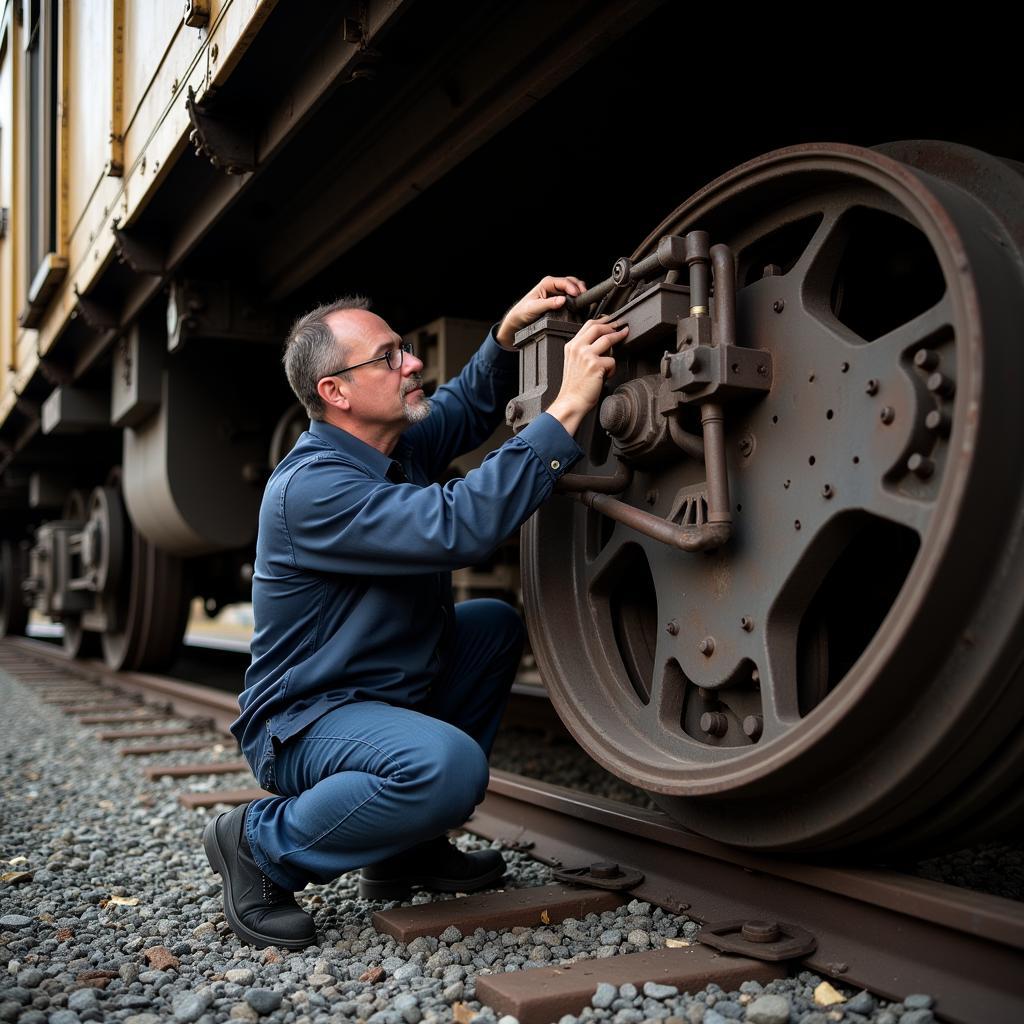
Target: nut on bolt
{"points": [[707, 646], [714, 723], [672, 628], [746, 623], [887, 415]]}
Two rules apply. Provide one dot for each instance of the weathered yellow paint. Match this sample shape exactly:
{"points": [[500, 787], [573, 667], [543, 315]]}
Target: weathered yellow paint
{"points": [[155, 130]]}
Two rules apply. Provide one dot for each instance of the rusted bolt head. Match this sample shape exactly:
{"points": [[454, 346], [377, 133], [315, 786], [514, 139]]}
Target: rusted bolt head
{"points": [[620, 272], [746, 445], [707, 646], [920, 465], [778, 305], [761, 931], [752, 726], [939, 422], [714, 723], [871, 387], [747, 623], [926, 359], [940, 384], [605, 869], [615, 414], [672, 628], [887, 415], [827, 491]]}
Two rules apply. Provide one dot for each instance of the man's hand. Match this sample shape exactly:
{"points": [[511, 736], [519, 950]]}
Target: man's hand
{"points": [[585, 369], [547, 296]]}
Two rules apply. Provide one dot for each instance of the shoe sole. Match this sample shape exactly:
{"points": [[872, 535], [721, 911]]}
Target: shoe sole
{"points": [[401, 889], [253, 938]]}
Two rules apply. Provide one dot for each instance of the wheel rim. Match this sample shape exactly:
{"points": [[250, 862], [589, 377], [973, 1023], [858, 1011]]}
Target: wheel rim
{"points": [[146, 599], [788, 644]]}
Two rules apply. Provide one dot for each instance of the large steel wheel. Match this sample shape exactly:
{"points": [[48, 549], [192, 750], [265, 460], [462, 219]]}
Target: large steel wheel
{"points": [[144, 588], [846, 670], [13, 610]]}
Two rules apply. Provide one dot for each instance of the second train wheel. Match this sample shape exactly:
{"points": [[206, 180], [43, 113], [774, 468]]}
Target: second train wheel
{"points": [[845, 672], [147, 602], [13, 610]]}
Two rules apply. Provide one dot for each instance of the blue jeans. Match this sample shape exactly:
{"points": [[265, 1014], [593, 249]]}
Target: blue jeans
{"points": [[369, 779]]}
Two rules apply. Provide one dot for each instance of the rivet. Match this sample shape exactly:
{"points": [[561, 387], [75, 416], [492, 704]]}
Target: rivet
{"points": [[747, 623], [940, 384], [672, 628], [714, 723], [707, 646], [785, 484], [926, 359], [887, 415], [920, 465], [753, 726], [938, 422], [796, 524], [778, 305], [762, 369], [746, 445], [871, 387], [827, 491]]}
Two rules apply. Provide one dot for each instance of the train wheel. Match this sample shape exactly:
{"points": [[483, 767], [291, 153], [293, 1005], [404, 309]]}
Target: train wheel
{"points": [[77, 642], [13, 610], [845, 672], [144, 590]]}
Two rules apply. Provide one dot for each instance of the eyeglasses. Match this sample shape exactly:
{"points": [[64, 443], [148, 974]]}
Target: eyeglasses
{"points": [[393, 357]]}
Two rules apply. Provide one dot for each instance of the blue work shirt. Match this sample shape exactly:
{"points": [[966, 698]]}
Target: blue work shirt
{"points": [[352, 586]]}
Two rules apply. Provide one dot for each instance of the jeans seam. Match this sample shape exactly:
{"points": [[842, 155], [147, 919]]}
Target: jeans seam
{"points": [[355, 739]]}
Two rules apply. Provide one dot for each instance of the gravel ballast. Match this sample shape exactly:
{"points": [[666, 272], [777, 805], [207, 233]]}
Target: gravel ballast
{"points": [[111, 912]]}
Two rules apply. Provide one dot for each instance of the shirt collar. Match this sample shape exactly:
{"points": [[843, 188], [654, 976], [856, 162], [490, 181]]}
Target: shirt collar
{"points": [[350, 445]]}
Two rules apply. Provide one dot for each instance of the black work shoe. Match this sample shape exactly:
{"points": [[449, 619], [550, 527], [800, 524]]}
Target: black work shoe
{"points": [[259, 911], [435, 864]]}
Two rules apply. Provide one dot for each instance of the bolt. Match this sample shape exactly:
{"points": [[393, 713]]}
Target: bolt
{"points": [[651, 497], [614, 414], [746, 445], [605, 869], [755, 676], [926, 359], [747, 623], [707, 646], [762, 369], [771, 270], [752, 726], [513, 411], [214, 52], [871, 387], [887, 415], [672, 628], [778, 305], [920, 465], [827, 491], [796, 524], [785, 484], [938, 422], [714, 723], [940, 384], [761, 931]]}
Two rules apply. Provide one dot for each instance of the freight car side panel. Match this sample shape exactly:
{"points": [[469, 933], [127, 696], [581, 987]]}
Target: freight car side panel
{"points": [[9, 267], [160, 58]]}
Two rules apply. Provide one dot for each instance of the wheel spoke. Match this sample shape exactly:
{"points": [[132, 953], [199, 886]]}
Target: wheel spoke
{"points": [[894, 348], [778, 672]]}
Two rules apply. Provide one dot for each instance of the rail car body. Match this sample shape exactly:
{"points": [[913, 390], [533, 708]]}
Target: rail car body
{"points": [[797, 626]]}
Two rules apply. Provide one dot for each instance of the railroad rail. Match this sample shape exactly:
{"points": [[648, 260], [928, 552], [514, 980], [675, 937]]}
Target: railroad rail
{"points": [[762, 916]]}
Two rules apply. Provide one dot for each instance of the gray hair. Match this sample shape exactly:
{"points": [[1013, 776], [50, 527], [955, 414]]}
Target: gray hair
{"points": [[312, 351]]}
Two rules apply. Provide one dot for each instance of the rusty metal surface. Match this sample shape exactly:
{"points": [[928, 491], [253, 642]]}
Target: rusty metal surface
{"points": [[528, 908], [846, 631], [887, 932], [544, 994]]}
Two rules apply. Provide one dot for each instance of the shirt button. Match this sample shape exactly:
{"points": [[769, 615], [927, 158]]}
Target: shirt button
{"points": [[555, 464]]}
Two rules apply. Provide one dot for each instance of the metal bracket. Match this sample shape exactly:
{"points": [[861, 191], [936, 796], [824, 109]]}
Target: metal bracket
{"points": [[97, 316], [230, 147], [141, 256], [602, 875], [760, 940]]}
